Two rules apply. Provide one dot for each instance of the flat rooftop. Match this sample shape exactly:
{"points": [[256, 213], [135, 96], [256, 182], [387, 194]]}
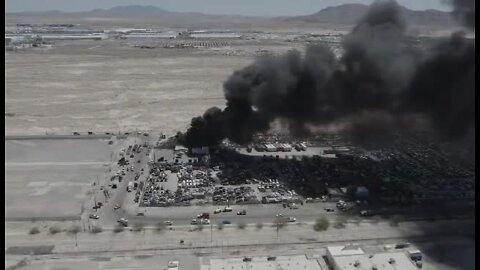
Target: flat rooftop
{"points": [[399, 260], [344, 250], [280, 262]]}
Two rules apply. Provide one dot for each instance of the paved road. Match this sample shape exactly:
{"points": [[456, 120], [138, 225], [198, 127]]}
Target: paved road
{"points": [[108, 215], [150, 239], [58, 137]]}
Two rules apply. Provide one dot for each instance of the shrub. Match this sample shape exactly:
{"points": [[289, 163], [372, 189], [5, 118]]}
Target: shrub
{"points": [[340, 223], [259, 226], [74, 229], [34, 230], [160, 226], [395, 220], [279, 223], [118, 228], [137, 227], [321, 224], [241, 226], [96, 229], [54, 230], [220, 226]]}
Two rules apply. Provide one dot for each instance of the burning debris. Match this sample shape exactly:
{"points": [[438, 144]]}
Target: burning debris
{"points": [[381, 84]]}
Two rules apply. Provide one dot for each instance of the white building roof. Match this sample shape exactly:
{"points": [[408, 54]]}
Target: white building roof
{"points": [[380, 260], [344, 250], [180, 148], [281, 262]]}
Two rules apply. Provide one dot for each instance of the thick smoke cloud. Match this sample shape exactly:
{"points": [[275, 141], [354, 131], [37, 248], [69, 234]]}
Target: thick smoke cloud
{"points": [[465, 11], [380, 80], [444, 87]]}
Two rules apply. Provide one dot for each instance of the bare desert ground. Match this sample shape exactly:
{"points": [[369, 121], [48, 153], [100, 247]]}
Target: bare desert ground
{"points": [[109, 87]]}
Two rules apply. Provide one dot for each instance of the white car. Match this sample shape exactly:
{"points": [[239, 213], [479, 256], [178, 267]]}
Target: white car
{"points": [[279, 215], [93, 216], [168, 222], [217, 211], [293, 206], [123, 221], [173, 265], [292, 219]]}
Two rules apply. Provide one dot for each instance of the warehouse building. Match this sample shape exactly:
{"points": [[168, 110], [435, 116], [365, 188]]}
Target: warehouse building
{"points": [[265, 263], [352, 257]]}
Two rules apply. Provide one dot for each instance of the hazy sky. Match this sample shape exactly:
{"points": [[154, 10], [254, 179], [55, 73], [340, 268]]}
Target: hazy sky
{"points": [[242, 7]]}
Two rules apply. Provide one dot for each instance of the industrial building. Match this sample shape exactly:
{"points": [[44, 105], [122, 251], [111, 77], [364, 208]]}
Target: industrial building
{"points": [[352, 257], [265, 263], [182, 156]]}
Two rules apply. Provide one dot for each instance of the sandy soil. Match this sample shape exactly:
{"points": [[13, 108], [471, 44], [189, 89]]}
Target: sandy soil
{"points": [[111, 87]]}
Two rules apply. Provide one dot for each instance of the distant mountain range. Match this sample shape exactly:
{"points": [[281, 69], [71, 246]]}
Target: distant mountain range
{"points": [[351, 13], [346, 14]]}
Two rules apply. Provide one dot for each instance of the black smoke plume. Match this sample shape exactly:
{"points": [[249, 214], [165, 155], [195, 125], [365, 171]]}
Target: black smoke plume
{"points": [[380, 80], [465, 11]]}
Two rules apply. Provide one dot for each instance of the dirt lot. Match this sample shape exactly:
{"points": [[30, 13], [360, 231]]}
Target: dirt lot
{"points": [[51, 178], [109, 86]]}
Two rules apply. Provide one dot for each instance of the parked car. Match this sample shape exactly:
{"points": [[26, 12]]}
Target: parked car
{"points": [[366, 213], [242, 213], [168, 222], [293, 206], [217, 211], [173, 265], [203, 215], [328, 209], [291, 219], [93, 216], [226, 222], [123, 221]]}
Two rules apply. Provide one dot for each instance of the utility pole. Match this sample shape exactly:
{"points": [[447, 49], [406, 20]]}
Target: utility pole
{"points": [[211, 236], [277, 223]]}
